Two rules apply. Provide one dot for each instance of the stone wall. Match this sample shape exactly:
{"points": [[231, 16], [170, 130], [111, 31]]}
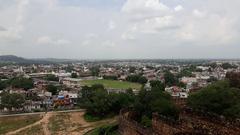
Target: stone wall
{"points": [[189, 123], [127, 126]]}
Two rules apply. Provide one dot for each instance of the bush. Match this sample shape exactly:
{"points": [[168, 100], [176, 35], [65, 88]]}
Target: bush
{"points": [[146, 121], [52, 78], [217, 98], [110, 77], [99, 103], [20, 82], [137, 79], [155, 101]]}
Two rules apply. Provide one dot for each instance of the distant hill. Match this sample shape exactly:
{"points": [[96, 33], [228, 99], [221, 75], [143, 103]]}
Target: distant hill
{"points": [[19, 60], [11, 58]]}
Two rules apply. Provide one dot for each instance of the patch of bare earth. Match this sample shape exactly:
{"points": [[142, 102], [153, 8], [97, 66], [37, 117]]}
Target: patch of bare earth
{"points": [[61, 123], [74, 124]]}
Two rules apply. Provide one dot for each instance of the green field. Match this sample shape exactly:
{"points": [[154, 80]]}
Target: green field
{"points": [[112, 84], [12, 123]]}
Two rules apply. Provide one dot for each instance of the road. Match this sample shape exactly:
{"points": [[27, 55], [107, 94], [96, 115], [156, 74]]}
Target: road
{"points": [[37, 113]]}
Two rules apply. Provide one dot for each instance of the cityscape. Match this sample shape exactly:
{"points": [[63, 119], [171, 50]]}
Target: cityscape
{"points": [[119, 67]]}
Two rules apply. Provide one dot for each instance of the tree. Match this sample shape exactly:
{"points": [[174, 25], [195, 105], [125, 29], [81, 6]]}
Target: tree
{"points": [[98, 102], [132, 69], [52, 78], [3, 85], [53, 89], [234, 79], [217, 98], [12, 100], [110, 77], [20, 82], [170, 79], [137, 79], [142, 80], [74, 75], [228, 65], [157, 84], [148, 102], [95, 70], [185, 73]]}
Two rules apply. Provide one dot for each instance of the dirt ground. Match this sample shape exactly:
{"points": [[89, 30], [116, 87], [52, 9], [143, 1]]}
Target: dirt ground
{"points": [[56, 123]]}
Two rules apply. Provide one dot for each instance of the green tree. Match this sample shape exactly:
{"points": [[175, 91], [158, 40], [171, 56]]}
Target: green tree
{"points": [[12, 100], [170, 79], [132, 69], [98, 102], [148, 102], [217, 98], [20, 82], [234, 79], [95, 70], [228, 65], [52, 78], [157, 84], [3, 84], [110, 77], [137, 79], [74, 75], [53, 89]]}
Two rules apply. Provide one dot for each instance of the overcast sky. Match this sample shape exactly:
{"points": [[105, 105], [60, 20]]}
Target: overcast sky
{"points": [[109, 29]]}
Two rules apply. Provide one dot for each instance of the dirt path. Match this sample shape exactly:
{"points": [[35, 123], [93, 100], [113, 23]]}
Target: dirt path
{"points": [[44, 121], [88, 126], [75, 125]]}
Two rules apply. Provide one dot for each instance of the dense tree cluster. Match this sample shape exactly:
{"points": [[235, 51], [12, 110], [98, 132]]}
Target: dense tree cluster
{"points": [[52, 78], [228, 66], [110, 77], [137, 79], [156, 84], [132, 69], [99, 103], [95, 70], [3, 84], [53, 89], [74, 75], [234, 79], [11, 100], [170, 79], [148, 102], [185, 73], [17, 82], [219, 98]]}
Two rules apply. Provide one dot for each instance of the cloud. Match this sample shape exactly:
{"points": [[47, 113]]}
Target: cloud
{"points": [[2, 28], [108, 43], [49, 41], [111, 25], [133, 6], [152, 27], [198, 13], [178, 8]]}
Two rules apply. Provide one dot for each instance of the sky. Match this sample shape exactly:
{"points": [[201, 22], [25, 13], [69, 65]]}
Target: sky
{"points": [[120, 29]]}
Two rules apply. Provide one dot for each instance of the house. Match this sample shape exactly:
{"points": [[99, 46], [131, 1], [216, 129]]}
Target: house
{"points": [[175, 91], [71, 81]]}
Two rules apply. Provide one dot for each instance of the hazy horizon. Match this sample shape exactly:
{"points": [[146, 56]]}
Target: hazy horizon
{"points": [[120, 29]]}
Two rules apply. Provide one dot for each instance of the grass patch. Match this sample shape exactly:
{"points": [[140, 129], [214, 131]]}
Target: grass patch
{"points": [[105, 130], [12, 123], [112, 84], [57, 122], [90, 118], [35, 130]]}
